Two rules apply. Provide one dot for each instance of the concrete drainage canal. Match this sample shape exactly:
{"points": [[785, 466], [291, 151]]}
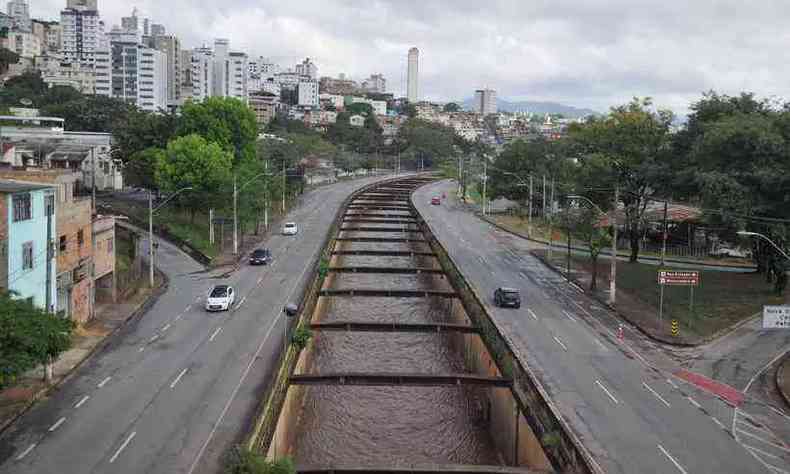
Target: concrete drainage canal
{"points": [[395, 377]]}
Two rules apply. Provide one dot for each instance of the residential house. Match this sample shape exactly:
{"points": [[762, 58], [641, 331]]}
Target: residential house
{"points": [[104, 258], [27, 261], [357, 121]]}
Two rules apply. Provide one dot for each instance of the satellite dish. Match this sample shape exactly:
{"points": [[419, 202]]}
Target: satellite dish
{"points": [[26, 102]]}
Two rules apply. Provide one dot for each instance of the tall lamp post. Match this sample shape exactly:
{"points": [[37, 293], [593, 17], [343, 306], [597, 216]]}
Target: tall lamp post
{"points": [[764, 237], [613, 272], [151, 211]]}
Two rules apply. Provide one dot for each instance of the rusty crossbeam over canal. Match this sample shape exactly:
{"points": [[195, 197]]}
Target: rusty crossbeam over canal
{"points": [[350, 326], [380, 229], [367, 220], [376, 207], [384, 253], [380, 239], [369, 215], [413, 380], [373, 293], [387, 270], [431, 469]]}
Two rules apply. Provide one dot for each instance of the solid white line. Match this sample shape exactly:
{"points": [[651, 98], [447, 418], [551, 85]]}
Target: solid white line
{"points": [[721, 425], [165, 327], [216, 331], [186, 310], [277, 316], [776, 469], [607, 391], [773, 445], [104, 382], [26, 452], [752, 448], [694, 402], [677, 465], [578, 288], [656, 394], [569, 316], [674, 385], [560, 343], [57, 424], [600, 343], [241, 302], [751, 381], [532, 313], [752, 427], [780, 412], [123, 446], [81, 402], [178, 379]]}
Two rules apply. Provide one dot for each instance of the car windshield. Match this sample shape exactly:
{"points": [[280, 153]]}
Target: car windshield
{"points": [[219, 292], [260, 253], [290, 225]]}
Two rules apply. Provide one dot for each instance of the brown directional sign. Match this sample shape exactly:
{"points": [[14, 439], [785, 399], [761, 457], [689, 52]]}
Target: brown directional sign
{"points": [[678, 278]]}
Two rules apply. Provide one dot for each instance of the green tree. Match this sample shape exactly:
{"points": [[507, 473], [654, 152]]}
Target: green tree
{"points": [[243, 461], [451, 107], [28, 85], [7, 57], [360, 108], [137, 131], [192, 161], [427, 142], [225, 121], [29, 336], [140, 168], [93, 113], [633, 145]]}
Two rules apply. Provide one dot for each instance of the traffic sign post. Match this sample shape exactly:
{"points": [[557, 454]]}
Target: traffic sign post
{"points": [[690, 278], [776, 317], [675, 328]]}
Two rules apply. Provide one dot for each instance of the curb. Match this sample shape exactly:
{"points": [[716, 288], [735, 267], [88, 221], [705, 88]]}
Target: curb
{"points": [[138, 312], [607, 253], [780, 380]]}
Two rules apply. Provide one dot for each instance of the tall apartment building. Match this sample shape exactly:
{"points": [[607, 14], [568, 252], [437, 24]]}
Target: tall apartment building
{"points": [[82, 31], [231, 70], [413, 92], [132, 72], [158, 30], [202, 76], [375, 83], [25, 44], [19, 11], [308, 94], [49, 34], [307, 68], [485, 101], [186, 84], [171, 47], [221, 67]]}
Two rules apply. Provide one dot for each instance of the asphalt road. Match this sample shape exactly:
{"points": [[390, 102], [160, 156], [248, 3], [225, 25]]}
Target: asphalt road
{"points": [[174, 389], [619, 396]]}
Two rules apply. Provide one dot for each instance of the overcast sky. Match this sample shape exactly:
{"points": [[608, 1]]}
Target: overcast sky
{"points": [[591, 53]]}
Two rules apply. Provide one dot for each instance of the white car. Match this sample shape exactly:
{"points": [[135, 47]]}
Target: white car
{"points": [[220, 298], [290, 228]]}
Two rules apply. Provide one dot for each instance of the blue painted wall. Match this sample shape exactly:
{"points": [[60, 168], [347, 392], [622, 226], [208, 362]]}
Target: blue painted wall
{"points": [[32, 282]]}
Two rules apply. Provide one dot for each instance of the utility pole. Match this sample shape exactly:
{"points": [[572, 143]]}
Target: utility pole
{"points": [[613, 274], [284, 187], [544, 196], [266, 196], [211, 226], [485, 180], [151, 238], [235, 217], [664, 232], [92, 296], [529, 227], [551, 218]]}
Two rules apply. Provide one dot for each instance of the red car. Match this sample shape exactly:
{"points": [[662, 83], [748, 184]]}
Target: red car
{"points": [[436, 201]]}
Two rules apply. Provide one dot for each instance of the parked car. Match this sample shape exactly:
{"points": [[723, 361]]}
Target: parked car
{"points": [[290, 228], [436, 201], [220, 298], [730, 251], [261, 257], [504, 297]]}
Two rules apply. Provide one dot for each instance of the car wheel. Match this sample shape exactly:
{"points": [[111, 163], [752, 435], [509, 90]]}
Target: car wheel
{"points": [[518, 306]]}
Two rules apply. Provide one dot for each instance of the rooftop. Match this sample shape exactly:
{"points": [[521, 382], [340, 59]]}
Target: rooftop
{"points": [[10, 187]]}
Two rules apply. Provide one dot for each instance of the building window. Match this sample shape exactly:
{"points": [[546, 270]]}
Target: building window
{"points": [[27, 256], [80, 238], [22, 207], [62, 244], [49, 205], [109, 245]]}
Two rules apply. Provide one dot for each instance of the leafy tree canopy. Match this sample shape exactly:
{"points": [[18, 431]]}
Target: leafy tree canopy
{"points": [[225, 121]]}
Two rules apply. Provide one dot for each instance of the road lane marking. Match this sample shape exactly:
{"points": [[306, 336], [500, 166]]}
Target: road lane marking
{"points": [[186, 310], [752, 448], [104, 382], [178, 318], [178, 379], [153, 338], [81, 402], [165, 327], [141, 349], [560, 343], [598, 382], [677, 464], [674, 385], [600, 343], [532, 313], [216, 331], [569, 316], [694, 402], [580, 290], [719, 423], [764, 441], [57, 424], [241, 303], [123, 446], [656, 394], [26, 452], [752, 427]]}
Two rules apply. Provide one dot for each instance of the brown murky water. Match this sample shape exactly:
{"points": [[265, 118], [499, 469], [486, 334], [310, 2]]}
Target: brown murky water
{"points": [[390, 426]]}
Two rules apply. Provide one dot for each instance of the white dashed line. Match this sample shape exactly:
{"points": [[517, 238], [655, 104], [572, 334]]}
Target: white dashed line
{"points": [[569, 316], [532, 314], [141, 349], [26, 452], [671, 382], [694, 402], [165, 327], [598, 382], [656, 394], [81, 402], [216, 331], [178, 379], [104, 382], [178, 318], [578, 288], [153, 338], [57, 424], [186, 310], [557, 340], [600, 344], [719, 423], [677, 464], [123, 446]]}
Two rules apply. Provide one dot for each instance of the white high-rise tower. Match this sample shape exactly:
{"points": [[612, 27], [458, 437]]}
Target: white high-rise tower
{"points": [[412, 92]]}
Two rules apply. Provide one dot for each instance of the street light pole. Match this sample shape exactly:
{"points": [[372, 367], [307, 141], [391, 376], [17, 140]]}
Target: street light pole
{"points": [[765, 237], [151, 238], [485, 180], [235, 217], [613, 275]]}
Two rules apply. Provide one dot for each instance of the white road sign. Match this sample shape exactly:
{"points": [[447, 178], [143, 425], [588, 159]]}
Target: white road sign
{"points": [[776, 317]]}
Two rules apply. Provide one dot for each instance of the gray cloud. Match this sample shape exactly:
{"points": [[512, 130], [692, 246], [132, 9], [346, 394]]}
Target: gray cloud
{"points": [[592, 53]]}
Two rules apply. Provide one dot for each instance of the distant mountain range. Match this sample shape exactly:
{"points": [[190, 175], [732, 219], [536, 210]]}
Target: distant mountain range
{"points": [[536, 107]]}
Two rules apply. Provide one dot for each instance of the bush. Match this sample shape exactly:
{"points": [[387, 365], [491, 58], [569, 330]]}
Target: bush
{"points": [[244, 461], [301, 337]]}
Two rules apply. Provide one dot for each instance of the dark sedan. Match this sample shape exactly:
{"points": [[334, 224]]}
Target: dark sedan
{"points": [[261, 257], [507, 297]]}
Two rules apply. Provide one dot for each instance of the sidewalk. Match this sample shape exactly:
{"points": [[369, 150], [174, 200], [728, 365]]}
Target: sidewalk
{"points": [[16, 400]]}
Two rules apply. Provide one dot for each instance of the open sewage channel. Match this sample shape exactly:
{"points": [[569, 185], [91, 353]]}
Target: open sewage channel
{"points": [[394, 424]]}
